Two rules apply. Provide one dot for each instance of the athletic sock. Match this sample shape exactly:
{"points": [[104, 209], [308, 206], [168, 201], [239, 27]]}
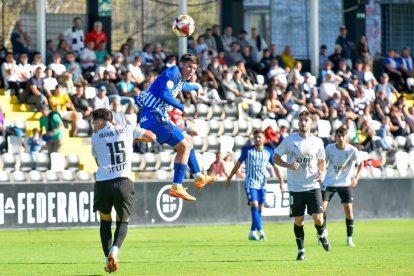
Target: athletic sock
{"points": [[106, 236], [252, 232], [120, 233], [193, 164], [324, 221], [321, 230], [349, 227], [300, 236], [256, 219], [179, 173]]}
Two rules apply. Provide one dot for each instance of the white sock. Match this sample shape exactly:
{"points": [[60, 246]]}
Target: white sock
{"points": [[349, 238], [114, 250], [252, 233], [198, 175], [177, 184], [301, 250], [261, 232]]}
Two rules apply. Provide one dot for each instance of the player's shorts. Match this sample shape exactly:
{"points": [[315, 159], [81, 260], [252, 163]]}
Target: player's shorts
{"points": [[165, 130], [312, 200], [118, 192], [345, 193], [258, 195]]}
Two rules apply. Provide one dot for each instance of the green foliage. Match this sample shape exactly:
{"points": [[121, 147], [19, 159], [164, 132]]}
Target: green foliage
{"points": [[383, 248]]}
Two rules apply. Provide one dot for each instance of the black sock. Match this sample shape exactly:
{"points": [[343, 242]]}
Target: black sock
{"points": [[300, 236], [106, 236], [349, 227], [320, 229], [324, 221], [120, 233]]}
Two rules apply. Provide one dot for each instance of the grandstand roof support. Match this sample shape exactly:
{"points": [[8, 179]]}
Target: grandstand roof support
{"points": [[182, 41], [314, 37], [41, 27]]}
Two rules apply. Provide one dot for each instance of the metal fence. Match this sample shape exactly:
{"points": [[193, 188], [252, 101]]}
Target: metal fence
{"points": [[147, 21]]}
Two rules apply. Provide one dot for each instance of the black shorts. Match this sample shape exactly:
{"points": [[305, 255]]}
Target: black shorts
{"points": [[345, 193], [312, 200], [118, 192]]}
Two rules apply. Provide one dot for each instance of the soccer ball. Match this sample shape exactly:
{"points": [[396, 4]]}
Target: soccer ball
{"points": [[183, 25]]}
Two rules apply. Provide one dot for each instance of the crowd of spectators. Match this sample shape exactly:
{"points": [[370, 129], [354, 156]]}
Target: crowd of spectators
{"points": [[353, 88]]}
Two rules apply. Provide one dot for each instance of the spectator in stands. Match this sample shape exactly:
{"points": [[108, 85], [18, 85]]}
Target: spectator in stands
{"points": [[242, 39], [126, 57], [210, 87], [258, 44], [206, 58], [108, 67], [133, 52], [309, 84], [36, 94], [61, 103], [364, 137], [52, 123], [265, 61], [359, 71], [159, 54], [74, 69], [274, 107], [328, 87], [96, 35], [368, 75], [248, 60], [391, 67], [101, 100], [360, 101], [228, 165], [88, 61], [222, 58], [2, 126], [397, 127], [287, 103], [274, 54], [218, 166], [20, 40], [278, 72], [216, 69], [117, 114], [61, 74], [35, 144], [75, 37], [81, 103], [217, 38], [101, 52], [381, 106], [409, 117], [370, 92], [25, 70], [406, 67], [316, 107], [63, 49], [131, 114], [37, 62], [50, 51], [148, 57], [3, 51], [209, 39], [49, 82], [390, 92], [227, 38], [127, 89], [298, 94], [136, 71], [233, 55], [363, 51], [345, 73], [346, 45], [287, 58], [337, 109], [337, 57], [9, 70], [295, 72], [323, 56], [149, 78], [107, 83]]}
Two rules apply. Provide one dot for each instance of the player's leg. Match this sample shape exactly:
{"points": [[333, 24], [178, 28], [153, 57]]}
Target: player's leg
{"points": [[327, 195], [106, 237], [254, 207], [346, 200], [297, 210], [315, 208], [261, 201]]}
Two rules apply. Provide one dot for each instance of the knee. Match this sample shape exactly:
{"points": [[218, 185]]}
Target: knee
{"points": [[183, 147], [106, 217], [189, 141]]}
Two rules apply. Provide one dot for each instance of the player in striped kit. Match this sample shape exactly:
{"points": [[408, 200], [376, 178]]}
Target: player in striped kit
{"points": [[256, 157], [341, 158], [154, 104], [112, 149], [306, 170]]}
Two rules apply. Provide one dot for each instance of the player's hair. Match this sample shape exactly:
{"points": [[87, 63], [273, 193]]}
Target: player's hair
{"points": [[258, 131], [190, 58], [305, 113], [102, 113], [341, 131]]}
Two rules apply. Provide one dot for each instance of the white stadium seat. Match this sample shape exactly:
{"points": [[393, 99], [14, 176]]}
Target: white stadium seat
{"points": [[18, 176]]}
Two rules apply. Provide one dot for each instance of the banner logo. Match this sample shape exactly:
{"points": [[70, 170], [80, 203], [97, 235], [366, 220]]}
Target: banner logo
{"points": [[168, 207]]}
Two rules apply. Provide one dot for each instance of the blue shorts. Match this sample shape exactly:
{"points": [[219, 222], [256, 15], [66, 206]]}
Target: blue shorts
{"points": [[164, 129], [256, 195]]}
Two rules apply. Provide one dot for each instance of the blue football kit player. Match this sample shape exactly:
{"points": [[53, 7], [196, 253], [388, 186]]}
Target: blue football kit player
{"points": [[154, 104], [256, 158]]}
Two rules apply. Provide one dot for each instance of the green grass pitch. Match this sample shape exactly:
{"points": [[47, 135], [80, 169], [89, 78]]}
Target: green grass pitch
{"points": [[383, 248]]}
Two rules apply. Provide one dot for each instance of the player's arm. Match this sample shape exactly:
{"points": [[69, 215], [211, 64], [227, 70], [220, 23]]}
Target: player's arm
{"points": [[355, 179], [278, 161], [146, 136], [280, 177], [233, 172], [322, 170]]}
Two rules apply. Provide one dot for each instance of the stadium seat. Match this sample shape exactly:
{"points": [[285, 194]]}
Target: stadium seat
{"points": [[229, 127], [255, 109], [166, 161], [201, 127], [208, 159], [402, 164], [162, 175], [150, 161], [213, 143], [226, 143], [283, 122], [198, 143], [336, 124], [43, 161], [389, 172], [217, 111], [411, 157], [73, 162], [35, 176], [260, 79], [240, 142], [15, 145], [231, 111], [270, 122], [83, 176], [191, 110], [199, 157], [376, 125], [9, 162], [389, 140], [203, 111], [51, 176], [18, 176], [243, 127], [376, 172], [215, 127], [20, 124], [67, 175], [410, 140], [324, 128], [84, 128], [25, 161], [136, 162], [256, 124], [4, 176], [57, 161], [90, 92], [401, 142]]}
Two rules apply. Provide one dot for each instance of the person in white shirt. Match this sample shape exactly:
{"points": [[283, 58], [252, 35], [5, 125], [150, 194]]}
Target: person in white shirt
{"points": [[75, 37], [88, 58], [101, 100], [49, 82], [341, 158], [136, 71], [112, 147], [25, 70], [305, 161]]}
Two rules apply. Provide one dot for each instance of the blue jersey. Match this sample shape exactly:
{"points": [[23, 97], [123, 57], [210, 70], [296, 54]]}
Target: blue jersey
{"points": [[256, 165], [163, 91]]}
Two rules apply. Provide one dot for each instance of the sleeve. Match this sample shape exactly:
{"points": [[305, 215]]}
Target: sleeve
{"points": [[167, 85], [271, 160], [243, 155], [138, 132], [188, 86], [57, 120], [282, 149], [93, 150], [327, 154]]}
